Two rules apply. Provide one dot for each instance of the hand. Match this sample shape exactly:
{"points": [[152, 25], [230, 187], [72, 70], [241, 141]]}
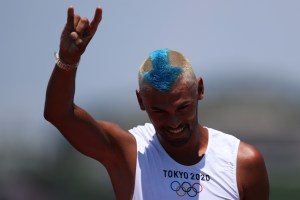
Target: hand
{"points": [[76, 35]]}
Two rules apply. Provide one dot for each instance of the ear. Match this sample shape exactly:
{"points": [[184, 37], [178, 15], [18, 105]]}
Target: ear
{"points": [[200, 88], [140, 100]]}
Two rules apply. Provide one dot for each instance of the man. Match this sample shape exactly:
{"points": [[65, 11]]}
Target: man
{"points": [[174, 157]]}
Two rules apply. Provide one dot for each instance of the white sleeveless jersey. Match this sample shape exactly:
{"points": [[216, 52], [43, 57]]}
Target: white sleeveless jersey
{"points": [[159, 177]]}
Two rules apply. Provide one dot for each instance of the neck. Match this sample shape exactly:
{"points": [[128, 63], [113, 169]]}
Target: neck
{"points": [[191, 152]]}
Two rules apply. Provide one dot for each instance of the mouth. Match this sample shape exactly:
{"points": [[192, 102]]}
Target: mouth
{"points": [[177, 130]]}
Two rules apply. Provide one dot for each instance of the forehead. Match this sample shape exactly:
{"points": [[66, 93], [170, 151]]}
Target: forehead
{"points": [[180, 91]]}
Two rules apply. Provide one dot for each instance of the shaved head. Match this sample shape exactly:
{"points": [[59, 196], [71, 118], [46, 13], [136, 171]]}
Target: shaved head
{"points": [[163, 68]]}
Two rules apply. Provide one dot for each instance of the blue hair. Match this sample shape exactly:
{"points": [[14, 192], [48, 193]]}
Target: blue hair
{"points": [[162, 76]]}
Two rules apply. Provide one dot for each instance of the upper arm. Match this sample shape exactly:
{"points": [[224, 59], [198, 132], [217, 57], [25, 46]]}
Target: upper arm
{"points": [[252, 175], [100, 140]]}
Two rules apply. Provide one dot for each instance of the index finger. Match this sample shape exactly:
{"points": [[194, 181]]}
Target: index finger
{"points": [[97, 18]]}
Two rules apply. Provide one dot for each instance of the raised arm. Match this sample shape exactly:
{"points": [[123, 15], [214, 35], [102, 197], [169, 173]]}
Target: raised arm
{"points": [[100, 140]]}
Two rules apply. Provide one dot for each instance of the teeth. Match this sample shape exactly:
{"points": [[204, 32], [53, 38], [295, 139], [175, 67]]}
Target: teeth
{"points": [[176, 130]]}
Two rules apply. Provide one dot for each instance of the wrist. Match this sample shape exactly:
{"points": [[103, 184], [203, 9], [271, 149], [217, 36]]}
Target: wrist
{"points": [[68, 58], [67, 66]]}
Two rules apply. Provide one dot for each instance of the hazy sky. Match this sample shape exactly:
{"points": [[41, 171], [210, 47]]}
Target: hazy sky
{"points": [[224, 39]]}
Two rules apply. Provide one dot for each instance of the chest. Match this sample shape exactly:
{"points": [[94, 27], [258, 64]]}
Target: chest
{"points": [[160, 177]]}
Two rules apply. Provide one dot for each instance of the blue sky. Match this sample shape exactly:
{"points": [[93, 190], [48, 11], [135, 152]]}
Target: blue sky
{"points": [[224, 39]]}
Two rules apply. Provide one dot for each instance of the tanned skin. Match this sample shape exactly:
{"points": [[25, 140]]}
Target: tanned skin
{"points": [[116, 148]]}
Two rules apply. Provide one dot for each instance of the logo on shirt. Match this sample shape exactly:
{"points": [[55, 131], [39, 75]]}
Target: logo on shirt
{"points": [[186, 183], [186, 188]]}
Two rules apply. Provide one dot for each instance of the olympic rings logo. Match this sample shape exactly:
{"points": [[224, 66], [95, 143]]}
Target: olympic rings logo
{"points": [[186, 188]]}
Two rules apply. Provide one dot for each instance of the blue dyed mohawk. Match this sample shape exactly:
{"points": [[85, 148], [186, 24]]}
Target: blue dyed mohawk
{"points": [[162, 76]]}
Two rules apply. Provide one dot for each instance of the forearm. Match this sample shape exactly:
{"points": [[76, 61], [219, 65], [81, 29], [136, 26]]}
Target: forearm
{"points": [[74, 39], [60, 95]]}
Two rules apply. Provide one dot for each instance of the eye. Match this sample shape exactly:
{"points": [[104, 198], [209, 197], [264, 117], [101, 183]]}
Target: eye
{"points": [[156, 110], [183, 107]]}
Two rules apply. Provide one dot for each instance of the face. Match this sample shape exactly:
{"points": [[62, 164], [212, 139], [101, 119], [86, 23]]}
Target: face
{"points": [[173, 114]]}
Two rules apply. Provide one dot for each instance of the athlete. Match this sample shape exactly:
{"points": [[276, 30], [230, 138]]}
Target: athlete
{"points": [[174, 156]]}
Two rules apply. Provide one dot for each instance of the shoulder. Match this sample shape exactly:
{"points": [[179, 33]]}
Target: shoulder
{"points": [[252, 175], [116, 134], [249, 157], [121, 143]]}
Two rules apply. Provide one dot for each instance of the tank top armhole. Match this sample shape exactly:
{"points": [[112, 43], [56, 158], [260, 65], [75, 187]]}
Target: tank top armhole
{"points": [[236, 149]]}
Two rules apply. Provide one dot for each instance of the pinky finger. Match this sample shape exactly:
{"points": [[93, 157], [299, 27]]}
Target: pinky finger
{"points": [[97, 19]]}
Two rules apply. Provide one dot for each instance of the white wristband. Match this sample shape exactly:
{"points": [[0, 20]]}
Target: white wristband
{"points": [[62, 65]]}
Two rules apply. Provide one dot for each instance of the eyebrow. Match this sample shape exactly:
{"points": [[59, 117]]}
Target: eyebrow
{"points": [[185, 103]]}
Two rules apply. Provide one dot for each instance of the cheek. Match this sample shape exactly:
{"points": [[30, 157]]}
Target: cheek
{"points": [[189, 117], [158, 119]]}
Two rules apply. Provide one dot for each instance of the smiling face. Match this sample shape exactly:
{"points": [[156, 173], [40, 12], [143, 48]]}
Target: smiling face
{"points": [[173, 113], [169, 93]]}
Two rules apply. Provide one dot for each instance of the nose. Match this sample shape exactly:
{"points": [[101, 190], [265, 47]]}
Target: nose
{"points": [[174, 121]]}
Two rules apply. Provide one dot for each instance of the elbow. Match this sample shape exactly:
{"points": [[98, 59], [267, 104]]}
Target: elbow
{"points": [[53, 117], [57, 115], [49, 116]]}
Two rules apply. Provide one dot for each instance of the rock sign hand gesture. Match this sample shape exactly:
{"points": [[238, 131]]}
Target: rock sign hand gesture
{"points": [[76, 35]]}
